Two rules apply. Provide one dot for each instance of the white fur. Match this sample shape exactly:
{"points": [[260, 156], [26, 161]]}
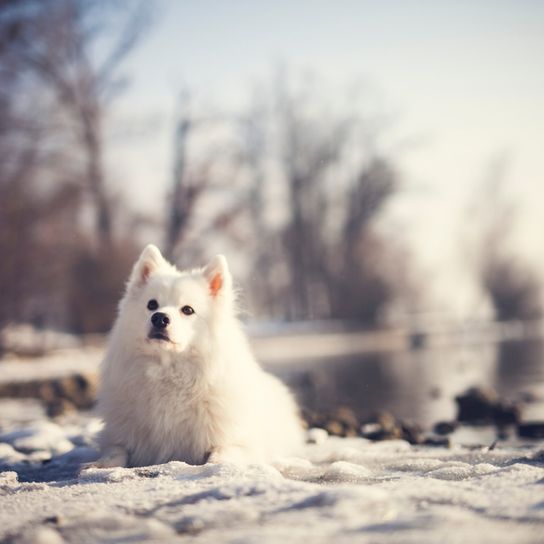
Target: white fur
{"points": [[199, 397]]}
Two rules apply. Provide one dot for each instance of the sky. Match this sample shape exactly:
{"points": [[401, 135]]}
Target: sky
{"points": [[463, 81]]}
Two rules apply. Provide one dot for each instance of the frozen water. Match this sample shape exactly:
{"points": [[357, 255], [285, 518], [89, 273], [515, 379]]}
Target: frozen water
{"points": [[340, 490]]}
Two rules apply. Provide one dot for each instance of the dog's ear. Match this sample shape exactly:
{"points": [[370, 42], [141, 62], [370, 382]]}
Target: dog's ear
{"points": [[218, 276], [149, 262]]}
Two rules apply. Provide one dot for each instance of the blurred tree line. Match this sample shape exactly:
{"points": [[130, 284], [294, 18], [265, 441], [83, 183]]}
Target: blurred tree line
{"points": [[289, 186], [294, 186], [306, 191], [58, 228], [511, 284]]}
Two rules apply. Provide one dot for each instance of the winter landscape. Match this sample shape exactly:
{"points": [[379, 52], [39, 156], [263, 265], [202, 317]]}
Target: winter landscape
{"points": [[373, 174]]}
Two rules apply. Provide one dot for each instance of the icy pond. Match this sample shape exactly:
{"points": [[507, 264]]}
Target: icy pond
{"points": [[420, 385]]}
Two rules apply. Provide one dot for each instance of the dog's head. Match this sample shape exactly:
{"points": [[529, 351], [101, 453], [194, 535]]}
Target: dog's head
{"points": [[165, 309]]}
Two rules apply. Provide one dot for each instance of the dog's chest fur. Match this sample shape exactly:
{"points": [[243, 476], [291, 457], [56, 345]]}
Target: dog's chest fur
{"points": [[179, 413]]}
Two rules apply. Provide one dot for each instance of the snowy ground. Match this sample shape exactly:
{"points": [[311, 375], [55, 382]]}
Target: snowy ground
{"points": [[339, 490]]}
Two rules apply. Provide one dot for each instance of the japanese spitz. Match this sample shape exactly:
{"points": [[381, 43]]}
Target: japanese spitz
{"points": [[179, 381]]}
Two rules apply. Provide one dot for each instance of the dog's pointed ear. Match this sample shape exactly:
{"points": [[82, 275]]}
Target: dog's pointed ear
{"points": [[218, 276], [148, 263]]}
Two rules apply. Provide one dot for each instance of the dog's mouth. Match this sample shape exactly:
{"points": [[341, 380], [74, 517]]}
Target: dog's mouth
{"points": [[157, 335]]}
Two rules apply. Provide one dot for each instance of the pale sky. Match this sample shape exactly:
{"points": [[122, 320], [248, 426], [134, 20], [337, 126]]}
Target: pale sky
{"points": [[463, 79]]}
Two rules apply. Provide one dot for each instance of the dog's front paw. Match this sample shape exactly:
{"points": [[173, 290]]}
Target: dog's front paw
{"points": [[233, 454], [116, 456]]}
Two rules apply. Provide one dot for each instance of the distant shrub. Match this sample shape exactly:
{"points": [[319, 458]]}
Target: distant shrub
{"points": [[514, 291]]}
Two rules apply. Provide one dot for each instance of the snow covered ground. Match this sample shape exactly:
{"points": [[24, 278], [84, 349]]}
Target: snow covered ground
{"points": [[338, 490], [57, 364]]}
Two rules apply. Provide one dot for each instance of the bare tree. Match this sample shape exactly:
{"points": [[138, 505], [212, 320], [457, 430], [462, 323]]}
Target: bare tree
{"points": [[206, 197], [326, 258], [53, 45], [55, 93], [310, 148], [187, 188], [511, 285], [363, 284]]}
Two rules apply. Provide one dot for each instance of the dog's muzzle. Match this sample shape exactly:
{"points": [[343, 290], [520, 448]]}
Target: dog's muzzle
{"points": [[159, 321]]}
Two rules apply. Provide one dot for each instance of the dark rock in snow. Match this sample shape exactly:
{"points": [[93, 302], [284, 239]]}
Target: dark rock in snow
{"points": [[341, 422], [384, 426], [346, 417], [77, 390], [479, 406], [437, 441], [334, 428], [374, 431], [443, 428], [507, 413], [59, 406], [412, 433], [533, 429], [476, 405]]}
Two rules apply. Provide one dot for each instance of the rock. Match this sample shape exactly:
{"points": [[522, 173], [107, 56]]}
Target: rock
{"points": [[411, 432], [54, 520], [437, 441], [334, 428], [506, 413], [480, 406], [381, 434], [443, 428], [350, 432], [59, 406], [370, 428], [387, 421], [341, 422], [533, 429], [346, 416], [47, 391], [347, 419], [384, 426], [476, 405], [381, 426], [78, 390]]}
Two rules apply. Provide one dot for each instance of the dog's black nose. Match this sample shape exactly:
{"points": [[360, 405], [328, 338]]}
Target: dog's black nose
{"points": [[160, 320]]}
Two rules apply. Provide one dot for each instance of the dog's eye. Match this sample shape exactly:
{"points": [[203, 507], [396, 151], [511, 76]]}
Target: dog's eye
{"points": [[187, 310], [152, 305]]}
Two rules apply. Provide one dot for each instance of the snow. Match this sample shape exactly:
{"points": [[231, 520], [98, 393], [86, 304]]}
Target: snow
{"points": [[337, 490], [57, 364], [24, 338]]}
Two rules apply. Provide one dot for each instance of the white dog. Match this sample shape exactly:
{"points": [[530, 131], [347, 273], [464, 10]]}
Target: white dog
{"points": [[179, 381]]}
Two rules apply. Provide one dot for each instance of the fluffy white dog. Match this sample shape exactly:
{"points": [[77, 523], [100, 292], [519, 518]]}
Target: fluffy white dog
{"points": [[179, 381]]}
